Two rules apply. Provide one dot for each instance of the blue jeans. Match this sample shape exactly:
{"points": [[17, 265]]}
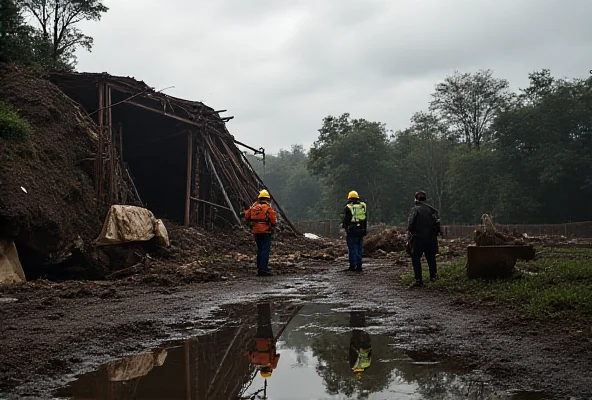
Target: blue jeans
{"points": [[356, 250], [263, 241]]}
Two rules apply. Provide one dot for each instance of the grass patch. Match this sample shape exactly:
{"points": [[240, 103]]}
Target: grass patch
{"points": [[12, 126], [84, 180], [556, 284]]}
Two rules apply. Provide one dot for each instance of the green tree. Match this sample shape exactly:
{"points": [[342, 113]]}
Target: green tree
{"points": [[469, 103], [428, 155], [56, 22], [290, 182], [545, 144], [353, 154], [16, 38]]}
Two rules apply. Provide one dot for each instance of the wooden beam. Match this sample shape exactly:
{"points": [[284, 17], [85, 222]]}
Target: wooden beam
{"points": [[188, 178], [210, 203], [162, 112], [196, 182], [111, 148], [212, 385], [99, 172], [209, 160]]}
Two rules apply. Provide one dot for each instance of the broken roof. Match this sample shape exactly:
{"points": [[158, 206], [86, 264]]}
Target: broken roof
{"points": [[213, 147]]}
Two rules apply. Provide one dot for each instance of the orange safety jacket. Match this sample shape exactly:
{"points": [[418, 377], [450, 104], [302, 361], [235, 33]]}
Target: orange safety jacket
{"points": [[265, 356], [261, 216]]}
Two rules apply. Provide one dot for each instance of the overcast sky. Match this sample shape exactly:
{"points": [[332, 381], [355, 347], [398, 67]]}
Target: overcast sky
{"points": [[279, 67]]}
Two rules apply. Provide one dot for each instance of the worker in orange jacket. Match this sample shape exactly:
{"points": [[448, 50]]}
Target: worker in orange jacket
{"points": [[264, 358], [262, 219]]}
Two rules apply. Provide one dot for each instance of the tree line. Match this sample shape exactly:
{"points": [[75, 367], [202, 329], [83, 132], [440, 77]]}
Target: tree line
{"points": [[478, 148], [44, 33]]}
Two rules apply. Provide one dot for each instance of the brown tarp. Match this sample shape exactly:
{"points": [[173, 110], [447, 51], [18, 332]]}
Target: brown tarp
{"points": [[125, 224]]}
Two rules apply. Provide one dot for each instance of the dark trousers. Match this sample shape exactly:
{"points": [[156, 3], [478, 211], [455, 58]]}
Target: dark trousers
{"points": [[420, 248], [355, 248], [263, 241], [264, 329]]}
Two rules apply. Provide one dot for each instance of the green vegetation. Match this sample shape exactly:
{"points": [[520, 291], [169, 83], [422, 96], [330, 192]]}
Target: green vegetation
{"points": [[12, 126], [44, 33], [557, 284], [521, 157]]}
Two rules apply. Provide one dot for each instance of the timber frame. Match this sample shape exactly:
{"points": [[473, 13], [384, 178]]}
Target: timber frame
{"points": [[185, 164]]}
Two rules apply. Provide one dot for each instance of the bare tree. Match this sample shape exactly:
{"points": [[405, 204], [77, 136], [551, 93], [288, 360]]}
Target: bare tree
{"points": [[468, 103], [56, 21]]}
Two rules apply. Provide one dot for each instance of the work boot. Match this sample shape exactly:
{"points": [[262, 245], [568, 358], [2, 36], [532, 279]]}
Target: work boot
{"points": [[264, 272], [359, 268], [350, 269], [417, 284]]}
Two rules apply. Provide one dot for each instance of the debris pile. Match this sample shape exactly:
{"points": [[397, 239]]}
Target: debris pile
{"points": [[388, 240], [489, 236], [197, 255], [330, 252]]}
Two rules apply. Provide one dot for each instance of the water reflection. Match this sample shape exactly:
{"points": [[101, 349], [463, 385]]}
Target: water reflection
{"points": [[265, 357], [284, 352], [360, 348]]}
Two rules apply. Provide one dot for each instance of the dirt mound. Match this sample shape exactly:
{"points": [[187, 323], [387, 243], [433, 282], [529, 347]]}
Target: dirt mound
{"points": [[387, 240], [46, 193]]}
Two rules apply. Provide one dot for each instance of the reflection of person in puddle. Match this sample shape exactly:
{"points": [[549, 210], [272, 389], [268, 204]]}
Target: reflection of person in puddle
{"points": [[265, 358], [360, 348]]}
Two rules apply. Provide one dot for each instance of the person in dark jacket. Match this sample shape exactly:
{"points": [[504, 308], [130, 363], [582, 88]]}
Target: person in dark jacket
{"points": [[354, 223], [423, 229]]}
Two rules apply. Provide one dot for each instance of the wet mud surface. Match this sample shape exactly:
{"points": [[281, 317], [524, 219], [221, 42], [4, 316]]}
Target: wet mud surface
{"points": [[78, 342]]}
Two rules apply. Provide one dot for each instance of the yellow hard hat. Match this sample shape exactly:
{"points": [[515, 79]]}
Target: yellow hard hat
{"points": [[265, 374], [353, 195], [264, 194], [358, 372]]}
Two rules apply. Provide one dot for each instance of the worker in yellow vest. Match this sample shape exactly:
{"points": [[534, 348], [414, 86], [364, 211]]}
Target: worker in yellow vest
{"points": [[354, 223]]}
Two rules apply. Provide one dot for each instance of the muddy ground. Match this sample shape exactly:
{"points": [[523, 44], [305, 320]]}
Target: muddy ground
{"points": [[54, 332]]}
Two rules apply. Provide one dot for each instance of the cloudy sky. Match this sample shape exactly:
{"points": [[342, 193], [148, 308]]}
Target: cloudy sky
{"points": [[280, 66]]}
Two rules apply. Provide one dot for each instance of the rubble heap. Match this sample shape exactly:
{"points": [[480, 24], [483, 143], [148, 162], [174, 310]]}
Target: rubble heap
{"points": [[488, 235], [388, 240]]}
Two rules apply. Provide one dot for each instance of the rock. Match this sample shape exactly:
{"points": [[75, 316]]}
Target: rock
{"points": [[11, 270]]}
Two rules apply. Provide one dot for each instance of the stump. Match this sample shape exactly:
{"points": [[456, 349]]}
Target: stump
{"points": [[491, 262]]}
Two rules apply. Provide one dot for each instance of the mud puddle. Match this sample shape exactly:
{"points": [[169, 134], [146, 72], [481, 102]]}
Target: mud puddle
{"points": [[284, 351]]}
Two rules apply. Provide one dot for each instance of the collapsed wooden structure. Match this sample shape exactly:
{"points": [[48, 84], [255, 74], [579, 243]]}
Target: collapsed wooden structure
{"points": [[173, 156]]}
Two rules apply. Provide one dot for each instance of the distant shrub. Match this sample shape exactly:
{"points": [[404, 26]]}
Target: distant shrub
{"points": [[12, 126]]}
